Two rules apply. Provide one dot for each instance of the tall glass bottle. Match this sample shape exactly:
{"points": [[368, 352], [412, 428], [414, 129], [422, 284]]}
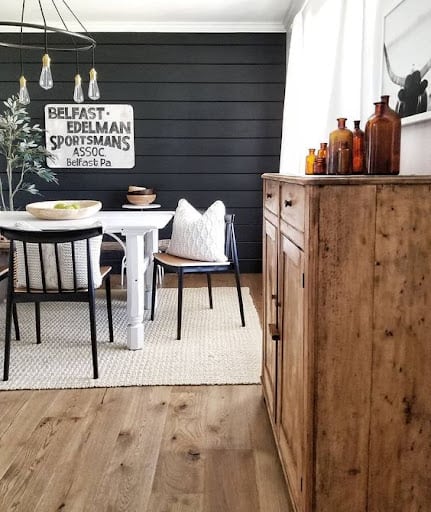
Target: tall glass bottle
{"points": [[341, 134], [378, 142], [309, 161], [358, 156], [396, 135], [344, 159]]}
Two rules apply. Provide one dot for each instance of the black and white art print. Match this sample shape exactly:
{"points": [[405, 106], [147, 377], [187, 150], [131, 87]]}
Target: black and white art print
{"points": [[406, 63]]}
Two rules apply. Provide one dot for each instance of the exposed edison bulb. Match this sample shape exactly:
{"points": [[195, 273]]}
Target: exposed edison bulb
{"points": [[45, 80], [23, 97], [78, 93], [93, 88]]}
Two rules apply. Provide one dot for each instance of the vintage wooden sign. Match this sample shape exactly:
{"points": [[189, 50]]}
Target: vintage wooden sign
{"points": [[90, 136]]}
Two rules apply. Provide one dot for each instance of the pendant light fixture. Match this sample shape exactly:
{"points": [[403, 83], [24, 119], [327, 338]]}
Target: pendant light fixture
{"points": [[65, 41]]}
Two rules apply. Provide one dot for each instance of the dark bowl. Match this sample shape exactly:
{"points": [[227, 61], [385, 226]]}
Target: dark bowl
{"points": [[144, 192]]}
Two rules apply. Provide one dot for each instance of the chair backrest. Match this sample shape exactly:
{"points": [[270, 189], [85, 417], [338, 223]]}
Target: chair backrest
{"points": [[55, 261], [231, 251]]}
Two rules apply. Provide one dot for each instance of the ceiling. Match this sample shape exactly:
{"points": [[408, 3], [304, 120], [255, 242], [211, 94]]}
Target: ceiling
{"points": [[163, 15]]}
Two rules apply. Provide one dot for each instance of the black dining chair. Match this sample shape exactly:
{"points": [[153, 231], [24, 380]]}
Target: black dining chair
{"points": [[56, 266], [187, 266], [4, 274]]}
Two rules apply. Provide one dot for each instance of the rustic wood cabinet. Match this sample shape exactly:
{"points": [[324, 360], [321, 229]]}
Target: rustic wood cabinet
{"points": [[347, 339]]}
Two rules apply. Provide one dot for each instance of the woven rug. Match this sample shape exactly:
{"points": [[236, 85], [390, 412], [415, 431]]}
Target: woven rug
{"points": [[214, 348]]}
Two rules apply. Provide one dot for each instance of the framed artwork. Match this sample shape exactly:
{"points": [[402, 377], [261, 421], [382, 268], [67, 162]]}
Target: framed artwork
{"points": [[406, 59]]}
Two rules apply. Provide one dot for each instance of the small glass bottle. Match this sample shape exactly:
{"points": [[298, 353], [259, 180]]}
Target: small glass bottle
{"points": [[378, 141], [336, 137], [358, 156], [344, 159], [320, 165], [323, 150], [309, 161]]}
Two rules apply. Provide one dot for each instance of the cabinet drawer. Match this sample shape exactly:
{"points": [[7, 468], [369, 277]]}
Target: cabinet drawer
{"points": [[271, 196], [292, 205]]}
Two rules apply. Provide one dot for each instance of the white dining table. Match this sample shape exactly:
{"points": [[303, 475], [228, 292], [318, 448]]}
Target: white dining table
{"points": [[141, 230]]}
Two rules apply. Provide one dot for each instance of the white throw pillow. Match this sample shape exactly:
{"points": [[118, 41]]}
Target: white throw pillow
{"points": [[198, 236]]}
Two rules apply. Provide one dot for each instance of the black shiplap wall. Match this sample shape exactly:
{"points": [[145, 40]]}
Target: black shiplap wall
{"points": [[208, 112]]}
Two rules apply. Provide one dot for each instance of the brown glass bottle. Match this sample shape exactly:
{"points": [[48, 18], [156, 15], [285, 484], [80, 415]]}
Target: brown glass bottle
{"points": [[320, 165], [309, 161], [378, 142], [323, 150], [358, 153], [396, 135], [344, 158], [341, 134]]}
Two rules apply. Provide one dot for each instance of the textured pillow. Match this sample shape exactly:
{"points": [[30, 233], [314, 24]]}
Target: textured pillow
{"points": [[65, 261], [198, 236]]}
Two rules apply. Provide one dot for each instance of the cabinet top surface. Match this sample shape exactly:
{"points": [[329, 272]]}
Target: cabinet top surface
{"points": [[348, 180]]}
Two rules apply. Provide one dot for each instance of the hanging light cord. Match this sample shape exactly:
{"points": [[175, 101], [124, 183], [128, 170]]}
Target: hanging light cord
{"points": [[21, 36], [82, 26], [71, 37], [44, 24]]}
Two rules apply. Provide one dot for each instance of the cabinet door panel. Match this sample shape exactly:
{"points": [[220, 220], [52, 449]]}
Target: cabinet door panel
{"points": [[269, 371], [291, 392]]}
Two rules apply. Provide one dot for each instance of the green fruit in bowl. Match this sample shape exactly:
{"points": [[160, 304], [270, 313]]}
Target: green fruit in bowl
{"points": [[60, 206], [67, 206]]}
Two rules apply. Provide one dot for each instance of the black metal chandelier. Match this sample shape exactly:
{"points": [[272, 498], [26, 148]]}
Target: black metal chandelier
{"points": [[70, 42]]}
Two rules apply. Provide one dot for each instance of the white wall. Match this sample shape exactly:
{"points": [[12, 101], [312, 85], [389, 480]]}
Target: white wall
{"points": [[415, 138]]}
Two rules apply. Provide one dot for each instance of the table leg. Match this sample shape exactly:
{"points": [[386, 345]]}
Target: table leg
{"points": [[135, 291]]}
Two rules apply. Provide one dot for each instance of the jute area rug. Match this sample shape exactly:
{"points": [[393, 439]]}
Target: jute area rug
{"points": [[214, 348]]}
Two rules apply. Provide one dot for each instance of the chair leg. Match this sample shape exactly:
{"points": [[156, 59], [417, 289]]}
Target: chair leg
{"points": [[15, 321], [109, 307], [180, 301], [7, 340], [210, 290], [92, 308], [238, 288], [153, 291], [37, 314]]}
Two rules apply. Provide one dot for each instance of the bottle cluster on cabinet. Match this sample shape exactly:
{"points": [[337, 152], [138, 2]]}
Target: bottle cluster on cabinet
{"points": [[373, 151]]}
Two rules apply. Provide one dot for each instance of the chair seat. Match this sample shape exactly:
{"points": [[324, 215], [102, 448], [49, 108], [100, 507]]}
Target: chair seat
{"points": [[176, 261]]}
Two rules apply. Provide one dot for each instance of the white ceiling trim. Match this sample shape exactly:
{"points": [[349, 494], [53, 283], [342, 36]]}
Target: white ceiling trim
{"points": [[198, 26]]}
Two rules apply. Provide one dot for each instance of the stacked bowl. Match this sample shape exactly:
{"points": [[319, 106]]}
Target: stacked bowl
{"points": [[140, 196]]}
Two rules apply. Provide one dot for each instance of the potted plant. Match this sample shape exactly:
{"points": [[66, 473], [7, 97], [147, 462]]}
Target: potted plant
{"points": [[24, 155]]}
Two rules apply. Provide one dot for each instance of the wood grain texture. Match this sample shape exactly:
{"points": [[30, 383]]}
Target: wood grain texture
{"points": [[343, 345], [401, 406], [141, 449]]}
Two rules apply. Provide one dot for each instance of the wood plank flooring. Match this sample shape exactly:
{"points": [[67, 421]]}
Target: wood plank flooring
{"points": [[141, 449]]}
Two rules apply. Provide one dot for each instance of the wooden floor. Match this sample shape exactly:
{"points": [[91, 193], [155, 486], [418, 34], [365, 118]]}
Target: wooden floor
{"points": [[143, 449]]}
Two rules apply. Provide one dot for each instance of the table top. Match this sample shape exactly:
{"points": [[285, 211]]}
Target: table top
{"points": [[125, 222]]}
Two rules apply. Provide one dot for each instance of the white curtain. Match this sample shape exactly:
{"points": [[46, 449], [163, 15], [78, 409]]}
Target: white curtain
{"points": [[324, 76]]}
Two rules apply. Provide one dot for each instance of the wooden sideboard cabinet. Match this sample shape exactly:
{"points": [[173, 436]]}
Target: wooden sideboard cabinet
{"points": [[347, 339]]}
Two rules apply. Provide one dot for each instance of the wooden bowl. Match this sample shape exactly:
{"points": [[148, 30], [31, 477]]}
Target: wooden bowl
{"points": [[45, 209], [141, 200]]}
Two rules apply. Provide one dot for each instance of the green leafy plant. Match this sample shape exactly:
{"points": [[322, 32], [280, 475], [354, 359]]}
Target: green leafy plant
{"points": [[21, 145]]}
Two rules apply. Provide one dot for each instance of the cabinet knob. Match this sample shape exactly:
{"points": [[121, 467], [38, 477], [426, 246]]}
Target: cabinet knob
{"points": [[288, 202], [268, 196], [273, 296], [274, 332]]}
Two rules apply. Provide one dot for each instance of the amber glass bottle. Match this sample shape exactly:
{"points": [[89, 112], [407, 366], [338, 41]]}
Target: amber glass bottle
{"points": [[344, 159], [320, 165], [309, 161], [323, 150], [378, 142], [358, 154], [396, 135], [341, 134]]}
